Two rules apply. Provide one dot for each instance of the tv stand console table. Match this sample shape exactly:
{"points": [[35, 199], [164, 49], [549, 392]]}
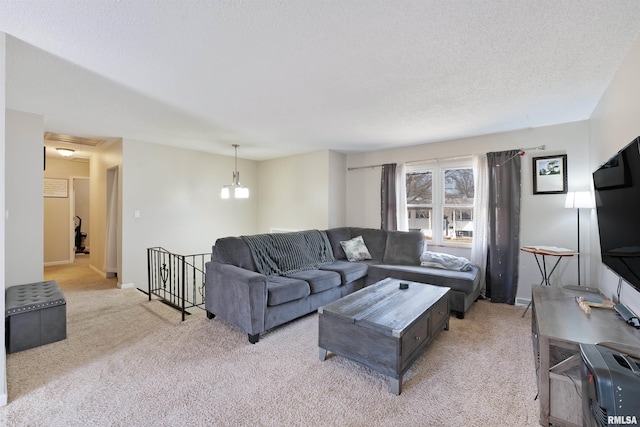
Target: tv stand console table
{"points": [[545, 251], [559, 326]]}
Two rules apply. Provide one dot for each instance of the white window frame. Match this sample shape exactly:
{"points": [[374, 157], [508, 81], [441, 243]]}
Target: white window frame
{"points": [[437, 202]]}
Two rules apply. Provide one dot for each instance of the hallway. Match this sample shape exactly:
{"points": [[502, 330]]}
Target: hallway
{"points": [[78, 276]]}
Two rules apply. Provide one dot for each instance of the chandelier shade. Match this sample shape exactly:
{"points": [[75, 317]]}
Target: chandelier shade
{"points": [[234, 190]]}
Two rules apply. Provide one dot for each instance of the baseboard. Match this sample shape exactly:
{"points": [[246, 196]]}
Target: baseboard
{"points": [[48, 264], [524, 302], [127, 285], [97, 270]]}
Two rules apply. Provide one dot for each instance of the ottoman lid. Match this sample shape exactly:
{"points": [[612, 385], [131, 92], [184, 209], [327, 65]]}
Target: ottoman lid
{"points": [[32, 296]]}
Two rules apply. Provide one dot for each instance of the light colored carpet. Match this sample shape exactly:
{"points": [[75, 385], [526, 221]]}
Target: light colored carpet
{"points": [[128, 361]]}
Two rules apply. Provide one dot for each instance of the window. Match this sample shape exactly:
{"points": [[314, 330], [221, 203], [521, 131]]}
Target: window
{"points": [[420, 202], [440, 202]]}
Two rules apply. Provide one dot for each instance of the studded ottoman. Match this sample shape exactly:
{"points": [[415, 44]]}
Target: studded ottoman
{"points": [[36, 314]]}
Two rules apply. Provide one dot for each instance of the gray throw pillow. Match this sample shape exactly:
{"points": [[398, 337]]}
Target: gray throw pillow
{"points": [[355, 249]]}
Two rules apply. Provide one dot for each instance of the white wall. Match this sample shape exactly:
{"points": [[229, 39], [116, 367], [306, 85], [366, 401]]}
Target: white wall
{"points": [[544, 220], [614, 123], [21, 186], [302, 192], [3, 354], [57, 211], [337, 210], [24, 203], [177, 193]]}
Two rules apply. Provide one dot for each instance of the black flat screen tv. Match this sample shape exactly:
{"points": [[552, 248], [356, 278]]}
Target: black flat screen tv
{"points": [[617, 196]]}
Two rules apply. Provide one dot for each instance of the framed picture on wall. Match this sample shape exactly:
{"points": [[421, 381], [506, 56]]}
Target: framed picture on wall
{"points": [[56, 187], [550, 174]]}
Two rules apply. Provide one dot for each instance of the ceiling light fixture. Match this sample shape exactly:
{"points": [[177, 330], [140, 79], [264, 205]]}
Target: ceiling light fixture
{"points": [[65, 152], [235, 190]]}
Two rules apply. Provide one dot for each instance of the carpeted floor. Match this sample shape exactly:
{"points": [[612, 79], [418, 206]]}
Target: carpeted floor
{"points": [[128, 361]]}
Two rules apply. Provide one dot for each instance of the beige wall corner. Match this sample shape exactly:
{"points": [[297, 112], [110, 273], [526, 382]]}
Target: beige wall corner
{"points": [[301, 192]]}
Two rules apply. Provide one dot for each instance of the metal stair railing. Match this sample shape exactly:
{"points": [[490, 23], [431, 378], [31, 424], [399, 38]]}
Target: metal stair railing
{"points": [[178, 280]]}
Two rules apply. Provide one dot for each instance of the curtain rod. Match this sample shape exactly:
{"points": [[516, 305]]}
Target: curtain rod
{"points": [[433, 160], [442, 159], [522, 153]]}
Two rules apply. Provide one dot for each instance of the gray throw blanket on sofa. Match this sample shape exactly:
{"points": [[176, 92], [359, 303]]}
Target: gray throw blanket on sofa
{"points": [[286, 253]]}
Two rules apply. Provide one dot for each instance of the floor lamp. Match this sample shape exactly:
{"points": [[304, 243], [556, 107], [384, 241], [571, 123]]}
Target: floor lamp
{"points": [[578, 200]]}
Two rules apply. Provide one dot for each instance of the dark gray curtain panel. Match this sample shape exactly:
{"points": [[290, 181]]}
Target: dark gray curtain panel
{"points": [[504, 226], [389, 220]]}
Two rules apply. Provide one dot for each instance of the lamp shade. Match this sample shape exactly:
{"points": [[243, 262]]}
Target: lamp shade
{"points": [[235, 191], [241, 193], [579, 199]]}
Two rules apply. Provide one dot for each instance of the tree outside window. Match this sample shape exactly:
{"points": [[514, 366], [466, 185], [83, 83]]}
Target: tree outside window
{"points": [[440, 203], [458, 205], [420, 202]]}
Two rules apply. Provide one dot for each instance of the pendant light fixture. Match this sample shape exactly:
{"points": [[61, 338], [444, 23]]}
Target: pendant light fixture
{"points": [[235, 190]]}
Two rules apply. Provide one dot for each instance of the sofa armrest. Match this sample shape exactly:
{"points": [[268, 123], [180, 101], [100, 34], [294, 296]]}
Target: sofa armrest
{"points": [[236, 295]]}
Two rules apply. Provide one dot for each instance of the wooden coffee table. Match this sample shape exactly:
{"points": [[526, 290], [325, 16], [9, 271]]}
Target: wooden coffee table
{"points": [[384, 327]]}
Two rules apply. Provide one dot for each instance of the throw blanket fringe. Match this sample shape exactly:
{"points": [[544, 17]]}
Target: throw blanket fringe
{"points": [[286, 253]]}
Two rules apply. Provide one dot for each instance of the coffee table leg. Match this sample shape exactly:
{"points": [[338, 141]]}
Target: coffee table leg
{"points": [[323, 354], [396, 385]]}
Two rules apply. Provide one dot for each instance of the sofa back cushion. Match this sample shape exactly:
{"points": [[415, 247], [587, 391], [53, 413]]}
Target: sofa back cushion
{"points": [[337, 235], [234, 251], [403, 247], [375, 240]]}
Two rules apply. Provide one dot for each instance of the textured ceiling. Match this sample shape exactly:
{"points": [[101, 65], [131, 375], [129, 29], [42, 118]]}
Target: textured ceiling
{"points": [[283, 77]]}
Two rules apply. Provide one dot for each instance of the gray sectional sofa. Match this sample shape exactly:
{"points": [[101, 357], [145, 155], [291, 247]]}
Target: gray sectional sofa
{"points": [[262, 281]]}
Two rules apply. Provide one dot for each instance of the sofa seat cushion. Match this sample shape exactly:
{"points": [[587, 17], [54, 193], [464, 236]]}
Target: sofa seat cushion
{"points": [[319, 280], [349, 271], [285, 289], [463, 281]]}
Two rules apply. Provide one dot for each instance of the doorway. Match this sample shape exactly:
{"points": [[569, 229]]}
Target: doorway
{"points": [[111, 238], [80, 219]]}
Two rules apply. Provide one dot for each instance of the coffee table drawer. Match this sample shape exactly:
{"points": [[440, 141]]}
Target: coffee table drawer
{"points": [[416, 335], [439, 311]]}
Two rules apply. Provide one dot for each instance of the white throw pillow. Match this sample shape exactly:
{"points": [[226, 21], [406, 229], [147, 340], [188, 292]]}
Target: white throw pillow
{"points": [[355, 249]]}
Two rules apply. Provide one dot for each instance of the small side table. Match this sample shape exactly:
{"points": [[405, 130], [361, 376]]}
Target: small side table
{"points": [[543, 252]]}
